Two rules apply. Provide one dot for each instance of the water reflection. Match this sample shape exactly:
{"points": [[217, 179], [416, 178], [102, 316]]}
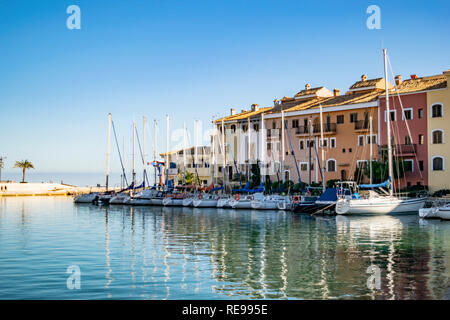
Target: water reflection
{"points": [[184, 253]]}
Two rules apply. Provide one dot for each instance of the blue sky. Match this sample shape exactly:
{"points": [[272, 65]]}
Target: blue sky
{"points": [[191, 59]]}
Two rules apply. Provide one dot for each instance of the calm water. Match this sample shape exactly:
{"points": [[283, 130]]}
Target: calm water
{"points": [[184, 253]]}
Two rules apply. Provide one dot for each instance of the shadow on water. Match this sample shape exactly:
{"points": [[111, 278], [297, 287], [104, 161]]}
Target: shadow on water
{"points": [[192, 253]]}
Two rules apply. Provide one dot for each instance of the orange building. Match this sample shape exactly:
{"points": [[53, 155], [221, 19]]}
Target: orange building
{"points": [[345, 129]]}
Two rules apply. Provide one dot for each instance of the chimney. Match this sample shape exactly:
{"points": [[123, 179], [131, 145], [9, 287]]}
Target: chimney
{"points": [[336, 92], [276, 102], [414, 76], [447, 74], [363, 78], [255, 107], [307, 86], [233, 111], [398, 79]]}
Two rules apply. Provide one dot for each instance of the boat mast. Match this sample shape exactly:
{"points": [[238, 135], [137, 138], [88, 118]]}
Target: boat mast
{"points": [[108, 151], [322, 151], [195, 151], [263, 160], [166, 165], [154, 148], [248, 150], [143, 149], [282, 146], [132, 171], [223, 150], [388, 123], [309, 127], [184, 153], [371, 142]]}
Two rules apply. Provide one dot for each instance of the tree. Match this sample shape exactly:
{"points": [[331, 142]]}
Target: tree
{"points": [[189, 177], [24, 165], [255, 175]]}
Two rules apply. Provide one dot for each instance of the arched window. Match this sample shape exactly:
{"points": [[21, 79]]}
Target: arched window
{"points": [[233, 128], [436, 111], [244, 128], [437, 136], [438, 163], [331, 165]]}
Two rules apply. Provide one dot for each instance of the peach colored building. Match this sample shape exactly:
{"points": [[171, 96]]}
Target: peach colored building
{"points": [[346, 125]]}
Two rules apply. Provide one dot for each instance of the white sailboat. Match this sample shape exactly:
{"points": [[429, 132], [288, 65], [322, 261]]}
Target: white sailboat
{"points": [[375, 203]]}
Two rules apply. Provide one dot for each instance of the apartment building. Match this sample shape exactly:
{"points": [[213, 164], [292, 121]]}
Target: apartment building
{"points": [[411, 137], [438, 126]]}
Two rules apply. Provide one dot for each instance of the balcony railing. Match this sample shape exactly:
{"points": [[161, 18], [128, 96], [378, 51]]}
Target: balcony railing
{"points": [[402, 149], [327, 128], [362, 125]]}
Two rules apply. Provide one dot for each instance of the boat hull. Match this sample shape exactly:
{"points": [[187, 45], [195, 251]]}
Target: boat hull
{"points": [[378, 207], [205, 203], [223, 203], [188, 202], [86, 198], [444, 213], [171, 202], [241, 204], [157, 201]]}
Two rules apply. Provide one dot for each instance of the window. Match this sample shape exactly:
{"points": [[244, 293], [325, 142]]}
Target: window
{"points": [[407, 114], [331, 165], [437, 136], [269, 146], [408, 140], [421, 165], [301, 144], [276, 166], [372, 140], [393, 115], [274, 125], [360, 140], [244, 128], [350, 150], [438, 163], [409, 165], [421, 139], [310, 143], [323, 142], [303, 166], [340, 119], [256, 127], [420, 113], [332, 142], [361, 163], [353, 117], [233, 128], [294, 123], [343, 150], [436, 111]]}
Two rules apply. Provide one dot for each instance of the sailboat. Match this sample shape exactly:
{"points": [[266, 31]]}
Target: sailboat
{"points": [[376, 203]]}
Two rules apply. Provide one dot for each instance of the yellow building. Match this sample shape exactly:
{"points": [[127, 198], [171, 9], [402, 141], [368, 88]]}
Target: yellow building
{"points": [[438, 127]]}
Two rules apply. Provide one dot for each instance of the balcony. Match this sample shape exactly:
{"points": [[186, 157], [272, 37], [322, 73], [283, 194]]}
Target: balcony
{"points": [[328, 128], [362, 125], [402, 150], [273, 134]]}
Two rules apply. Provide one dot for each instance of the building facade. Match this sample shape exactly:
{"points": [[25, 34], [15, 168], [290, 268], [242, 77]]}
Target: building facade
{"points": [[438, 123]]}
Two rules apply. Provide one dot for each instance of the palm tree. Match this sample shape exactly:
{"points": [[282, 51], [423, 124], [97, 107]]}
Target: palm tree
{"points": [[24, 165]]}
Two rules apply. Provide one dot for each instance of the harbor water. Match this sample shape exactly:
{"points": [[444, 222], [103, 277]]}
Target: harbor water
{"points": [[125, 252]]}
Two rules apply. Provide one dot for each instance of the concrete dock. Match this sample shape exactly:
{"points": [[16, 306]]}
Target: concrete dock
{"points": [[43, 189]]}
